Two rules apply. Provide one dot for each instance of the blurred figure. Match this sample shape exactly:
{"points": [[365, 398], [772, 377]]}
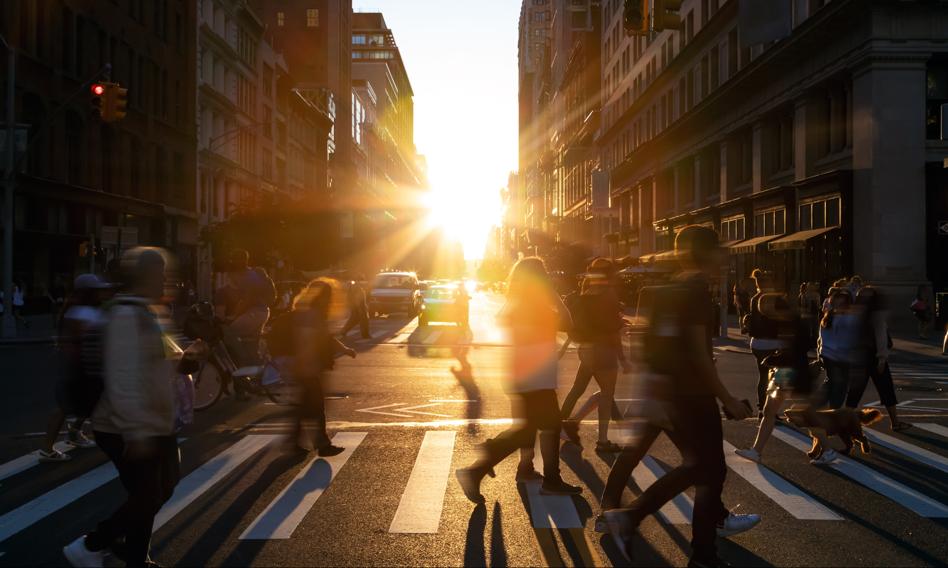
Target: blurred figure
{"points": [[764, 333], [597, 321], [465, 377], [808, 304], [534, 313], [678, 345], [841, 346], [316, 347], [789, 368], [358, 310], [877, 343], [79, 384], [255, 294], [18, 303], [855, 284], [134, 420], [921, 309]]}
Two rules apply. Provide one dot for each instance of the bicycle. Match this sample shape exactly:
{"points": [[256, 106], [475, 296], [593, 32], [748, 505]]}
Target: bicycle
{"points": [[219, 371]]}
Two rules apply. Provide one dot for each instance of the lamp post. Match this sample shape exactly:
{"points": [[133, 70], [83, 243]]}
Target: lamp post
{"points": [[8, 327]]}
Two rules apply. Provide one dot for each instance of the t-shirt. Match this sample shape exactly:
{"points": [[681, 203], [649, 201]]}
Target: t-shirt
{"points": [[254, 288]]}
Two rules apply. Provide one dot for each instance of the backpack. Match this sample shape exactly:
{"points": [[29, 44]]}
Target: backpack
{"points": [[280, 340]]}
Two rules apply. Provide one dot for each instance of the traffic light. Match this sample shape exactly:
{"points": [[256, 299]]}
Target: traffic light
{"points": [[665, 15], [98, 92], [635, 17], [109, 101], [119, 102]]}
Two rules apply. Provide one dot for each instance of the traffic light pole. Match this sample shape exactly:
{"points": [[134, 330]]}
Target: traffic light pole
{"points": [[9, 324]]}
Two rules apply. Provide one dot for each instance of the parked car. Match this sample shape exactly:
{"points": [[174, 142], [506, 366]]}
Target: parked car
{"points": [[447, 303], [395, 292]]}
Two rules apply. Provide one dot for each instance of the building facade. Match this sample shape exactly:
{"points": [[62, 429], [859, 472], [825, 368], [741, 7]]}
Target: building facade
{"points": [[109, 186]]}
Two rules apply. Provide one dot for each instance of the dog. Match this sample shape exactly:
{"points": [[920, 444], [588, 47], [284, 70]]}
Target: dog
{"points": [[847, 423]]}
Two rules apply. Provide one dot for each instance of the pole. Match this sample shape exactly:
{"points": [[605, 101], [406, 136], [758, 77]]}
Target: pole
{"points": [[9, 324]]}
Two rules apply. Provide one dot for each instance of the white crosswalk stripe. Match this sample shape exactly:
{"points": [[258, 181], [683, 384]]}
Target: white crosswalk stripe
{"points": [[918, 454], [933, 428], [419, 510], [23, 463], [679, 510], [919, 372]]}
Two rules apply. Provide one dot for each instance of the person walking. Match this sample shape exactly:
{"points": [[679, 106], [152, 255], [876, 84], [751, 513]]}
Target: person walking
{"points": [[877, 343], [134, 419], [534, 313], [597, 321], [921, 309], [679, 347], [77, 388], [808, 306], [358, 310], [764, 334], [19, 302], [315, 351], [841, 347]]}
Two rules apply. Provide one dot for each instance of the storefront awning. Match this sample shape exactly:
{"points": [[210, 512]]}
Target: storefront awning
{"points": [[797, 241], [750, 245], [654, 257]]}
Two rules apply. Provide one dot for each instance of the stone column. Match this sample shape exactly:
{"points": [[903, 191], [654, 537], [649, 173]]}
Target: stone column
{"points": [[724, 179], [889, 182], [759, 165]]}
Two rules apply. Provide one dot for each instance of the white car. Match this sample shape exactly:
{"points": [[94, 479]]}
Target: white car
{"points": [[394, 292]]}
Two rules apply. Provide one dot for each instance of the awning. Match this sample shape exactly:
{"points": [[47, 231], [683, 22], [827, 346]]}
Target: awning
{"points": [[797, 241], [654, 257], [750, 245]]}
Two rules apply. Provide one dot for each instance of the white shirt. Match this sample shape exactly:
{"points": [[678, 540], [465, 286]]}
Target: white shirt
{"points": [[17, 296]]}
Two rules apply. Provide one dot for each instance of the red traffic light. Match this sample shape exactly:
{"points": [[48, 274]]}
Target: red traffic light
{"points": [[98, 89]]}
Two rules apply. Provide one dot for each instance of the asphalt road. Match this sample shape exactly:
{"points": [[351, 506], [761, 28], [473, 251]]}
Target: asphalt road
{"points": [[391, 498]]}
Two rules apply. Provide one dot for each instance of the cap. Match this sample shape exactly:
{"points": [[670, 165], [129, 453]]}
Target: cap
{"points": [[89, 282]]}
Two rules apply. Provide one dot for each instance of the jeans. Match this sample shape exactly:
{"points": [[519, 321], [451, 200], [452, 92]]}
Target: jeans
{"points": [[601, 363], [882, 381], [763, 375], [149, 483], [540, 411], [696, 420], [839, 376]]}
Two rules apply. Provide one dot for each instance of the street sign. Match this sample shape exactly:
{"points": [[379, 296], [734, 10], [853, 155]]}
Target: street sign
{"points": [[943, 228]]}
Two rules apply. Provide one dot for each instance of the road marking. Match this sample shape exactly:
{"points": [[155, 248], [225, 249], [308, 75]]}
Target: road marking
{"points": [[933, 428], [922, 455], [206, 476], [679, 510], [905, 496], [419, 510], [28, 514], [375, 410], [782, 492], [31, 459], [549, 511], [410, 410], [450, 401], [286, 512]]}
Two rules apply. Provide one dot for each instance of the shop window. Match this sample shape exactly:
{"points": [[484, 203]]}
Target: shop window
{"points": [[820, 214], [768, 223]]}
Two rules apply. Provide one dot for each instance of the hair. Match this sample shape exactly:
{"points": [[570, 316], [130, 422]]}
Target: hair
{"points": [[135, 263], [856, 279], [315, 296], [830, 313], [697, 244], [841, 283], [527, 276]]}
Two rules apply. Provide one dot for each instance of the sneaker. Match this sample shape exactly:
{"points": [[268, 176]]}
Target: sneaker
{"points": [[559, 487], [749, 454], [79, 440], [828, 457], [735, 524], [470, 484], [53, 456], [571, 430], [601, 525], [77, 554], [621, 530], [329, 450], [528, 474]]}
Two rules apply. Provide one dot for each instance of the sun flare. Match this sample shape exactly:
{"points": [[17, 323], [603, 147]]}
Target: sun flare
{"points": [[464, 216]]}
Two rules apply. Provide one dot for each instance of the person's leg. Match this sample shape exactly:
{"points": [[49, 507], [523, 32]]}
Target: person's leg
{"points": [[763, 377], [111, 529], [583, 375], [885, 387], [350, 323], [629, 457], [364, 325], [837, 382], [772, 406], [606, 378], [858, 383], [53, 425], [707, 436]]}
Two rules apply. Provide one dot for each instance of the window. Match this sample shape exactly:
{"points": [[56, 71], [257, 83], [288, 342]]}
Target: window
{"points": [[770, 223], [312, 18], [267, 121], [267, 80], [281, 19], [820, 214], [246, 47]]}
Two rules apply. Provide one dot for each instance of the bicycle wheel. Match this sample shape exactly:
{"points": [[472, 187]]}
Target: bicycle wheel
{"points": [[208, 386], [283, 390]]}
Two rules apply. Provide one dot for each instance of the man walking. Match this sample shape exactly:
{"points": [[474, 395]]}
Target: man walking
{"points": [[134, 419], [358, 310], [681, 326]]}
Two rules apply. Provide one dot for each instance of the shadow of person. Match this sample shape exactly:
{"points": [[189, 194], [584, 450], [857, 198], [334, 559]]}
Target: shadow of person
{"points": [[474, 553], [498, 551], [465, 378]]}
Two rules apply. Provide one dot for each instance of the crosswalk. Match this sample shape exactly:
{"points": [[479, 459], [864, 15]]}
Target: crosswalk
{"points": [[920, 372], [429, 492]]}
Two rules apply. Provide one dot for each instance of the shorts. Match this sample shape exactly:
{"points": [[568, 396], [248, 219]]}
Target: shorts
{"points": [[598, 356], [788, 379]]}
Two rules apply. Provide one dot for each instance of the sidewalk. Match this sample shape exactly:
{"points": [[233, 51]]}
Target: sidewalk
{"points": [[40, 331]]}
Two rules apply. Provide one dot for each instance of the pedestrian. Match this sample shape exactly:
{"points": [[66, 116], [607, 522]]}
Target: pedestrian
{"points": [[877, 344], [534, 313], [255, 294], [841, 346], [315, 351], [134, 420], [741, 298], [921, 309], [597, 321], [18, 303], [358, 310], [808, 306], [78, 387], [678, 347], [789, 374], [764, 334]]}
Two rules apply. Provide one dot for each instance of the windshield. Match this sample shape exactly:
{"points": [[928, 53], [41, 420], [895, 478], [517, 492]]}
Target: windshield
{"points": [[440, 293], [402, 281]]}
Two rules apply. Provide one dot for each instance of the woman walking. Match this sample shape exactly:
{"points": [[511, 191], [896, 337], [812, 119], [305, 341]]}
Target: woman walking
{"points": [[841, 345], [534, 313], [764, 334]]}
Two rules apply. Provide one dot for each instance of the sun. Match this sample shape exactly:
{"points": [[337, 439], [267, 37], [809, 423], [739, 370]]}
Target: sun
{"points": [[464, 216]]}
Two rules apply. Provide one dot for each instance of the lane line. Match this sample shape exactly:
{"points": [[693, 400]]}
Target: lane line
{"points": [[30, 513], [933, 428], [679, 510], [210, 474], [790, 497], [419, 510], [31, 459], [871, 479], [922, 455], [287, 510]]}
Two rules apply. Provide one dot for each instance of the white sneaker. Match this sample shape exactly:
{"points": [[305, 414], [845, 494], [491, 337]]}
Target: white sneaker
{"points": [[828, 457], [80, 441], [749, 454], [78, 555], [53, 456], [736, 524]]}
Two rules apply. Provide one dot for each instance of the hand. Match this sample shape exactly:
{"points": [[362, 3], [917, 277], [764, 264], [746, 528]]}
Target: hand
{"points": [[350, 352], [140, 449], [880, 364], [737, 409]]}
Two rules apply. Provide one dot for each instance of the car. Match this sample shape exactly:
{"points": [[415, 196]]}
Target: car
{"points": [[445, 303], [395, 292]]}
